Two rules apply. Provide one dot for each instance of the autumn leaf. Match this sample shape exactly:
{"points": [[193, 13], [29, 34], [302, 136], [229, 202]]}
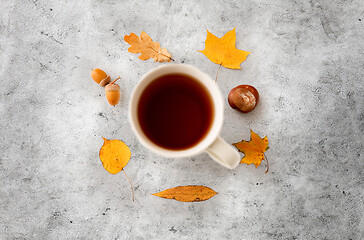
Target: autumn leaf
{"points": [[222, 51], [253, 150], [114, 155], [148, 49], [190, 193]]}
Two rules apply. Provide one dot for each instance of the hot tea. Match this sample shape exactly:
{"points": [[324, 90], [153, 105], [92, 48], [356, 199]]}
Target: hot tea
{"points": [[175, 111]]}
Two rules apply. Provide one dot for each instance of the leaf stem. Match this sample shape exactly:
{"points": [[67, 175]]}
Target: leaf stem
{"points": [[265, 157], [165, 56], [217, 73], [115, 80], [162, 54], [131, 186]]}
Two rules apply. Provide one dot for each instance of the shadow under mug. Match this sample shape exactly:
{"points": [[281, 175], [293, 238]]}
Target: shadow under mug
{"points": [[212, 143]]}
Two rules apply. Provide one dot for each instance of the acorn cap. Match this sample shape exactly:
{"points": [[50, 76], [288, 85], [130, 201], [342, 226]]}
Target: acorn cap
{"points": [[105, 81], [112, 87]]}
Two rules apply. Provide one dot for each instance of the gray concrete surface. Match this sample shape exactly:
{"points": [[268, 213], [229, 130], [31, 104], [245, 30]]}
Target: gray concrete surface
{"points": [[307, 62]]}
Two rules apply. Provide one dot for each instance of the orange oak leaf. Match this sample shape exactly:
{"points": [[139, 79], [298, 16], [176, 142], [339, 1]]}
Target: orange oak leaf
{"points": [[190, 193], [223, 51], [148, 49], [253, 150]]}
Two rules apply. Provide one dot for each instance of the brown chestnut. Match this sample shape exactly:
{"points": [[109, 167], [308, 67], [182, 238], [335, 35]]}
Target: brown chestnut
{"points": [[243, 98]]}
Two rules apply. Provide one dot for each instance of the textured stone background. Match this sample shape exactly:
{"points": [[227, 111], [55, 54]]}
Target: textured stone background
{"points": [[307, 62]]}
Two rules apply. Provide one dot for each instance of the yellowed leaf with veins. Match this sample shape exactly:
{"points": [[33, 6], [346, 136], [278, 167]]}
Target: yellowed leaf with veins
{"points": [[148, 49], [114, 155], [190, 193], [253, 149], [223, 51]]}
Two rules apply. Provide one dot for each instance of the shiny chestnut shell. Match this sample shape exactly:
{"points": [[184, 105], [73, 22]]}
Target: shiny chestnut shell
{"points": [[246, 98]]}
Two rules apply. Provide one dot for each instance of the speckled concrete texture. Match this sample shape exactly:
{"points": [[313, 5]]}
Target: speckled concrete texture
{"points": [[307, 62]]}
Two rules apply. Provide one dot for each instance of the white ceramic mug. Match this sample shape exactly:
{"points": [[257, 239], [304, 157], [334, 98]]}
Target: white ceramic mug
{"points": [[212, 143]]}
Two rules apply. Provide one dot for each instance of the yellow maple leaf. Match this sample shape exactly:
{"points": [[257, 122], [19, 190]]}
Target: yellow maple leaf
{"points": [[114, 155], [223, 51], [253, 150], [148, 49], [190, 193]]}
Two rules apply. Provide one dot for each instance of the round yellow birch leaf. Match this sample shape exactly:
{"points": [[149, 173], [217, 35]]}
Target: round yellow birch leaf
{"points": [[114, 155]]}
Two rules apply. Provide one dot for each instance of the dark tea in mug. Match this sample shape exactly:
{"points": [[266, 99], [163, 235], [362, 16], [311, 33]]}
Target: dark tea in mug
{"points": [[175, 111]]}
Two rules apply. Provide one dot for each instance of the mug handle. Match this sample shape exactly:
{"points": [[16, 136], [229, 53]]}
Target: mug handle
{"points": [[224, 153]]}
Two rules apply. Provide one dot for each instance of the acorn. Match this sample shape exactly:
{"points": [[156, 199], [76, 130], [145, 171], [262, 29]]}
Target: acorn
{"points": [[243, 98], [100, 77], [112, 92]]}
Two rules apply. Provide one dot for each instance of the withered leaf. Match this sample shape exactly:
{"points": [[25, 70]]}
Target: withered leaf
{"points": [[190, 193], [148, 49], [223, 51], [114, 155], [253, 149]]}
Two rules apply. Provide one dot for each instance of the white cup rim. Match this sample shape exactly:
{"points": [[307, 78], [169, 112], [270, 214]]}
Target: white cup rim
{"points": [[203, 78]]}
